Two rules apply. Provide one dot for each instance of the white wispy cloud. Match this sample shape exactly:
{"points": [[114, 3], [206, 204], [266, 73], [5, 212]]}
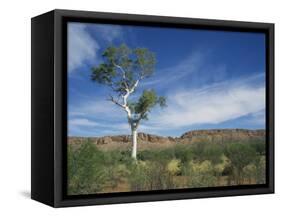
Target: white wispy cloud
{"points": [[187, 66], [97, 108], [81, 46], [96, 117], [82, 122], [87, 127], [210, 105]]}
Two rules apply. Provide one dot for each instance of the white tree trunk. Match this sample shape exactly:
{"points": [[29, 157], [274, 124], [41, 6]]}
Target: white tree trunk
{"points": [[134, 141], [124, 105]]}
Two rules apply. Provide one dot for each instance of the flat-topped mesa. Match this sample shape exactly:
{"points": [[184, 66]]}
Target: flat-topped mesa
{"points": [[154, 138], [222, 135], [147, 141], [126, 138], [214, 132]]}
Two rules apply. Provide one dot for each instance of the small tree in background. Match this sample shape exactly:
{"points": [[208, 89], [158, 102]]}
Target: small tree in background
{"points": [[240, 156], [122, 70]]}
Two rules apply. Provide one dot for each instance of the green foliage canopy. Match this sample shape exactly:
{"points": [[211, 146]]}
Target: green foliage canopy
{"points": [[122, 67], [240, 154], [122, 70], [146, 102]]}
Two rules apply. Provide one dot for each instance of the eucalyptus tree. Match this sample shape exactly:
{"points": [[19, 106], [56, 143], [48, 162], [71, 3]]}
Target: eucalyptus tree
{"points": [[123, 70]]}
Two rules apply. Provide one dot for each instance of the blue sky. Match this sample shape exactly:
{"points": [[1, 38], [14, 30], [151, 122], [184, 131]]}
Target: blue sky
{"points": [[211, 79]]}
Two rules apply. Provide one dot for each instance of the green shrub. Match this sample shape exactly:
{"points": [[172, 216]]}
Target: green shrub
{"points": [[147, 155], [220, 167], [138, 178], [115, 174], [204, 150], [183, 153], [201, 174], [249, 172], [240, 155], [150, 175], [174, 167], [213, 153], [260, 164], [159, 177], [198, 148], [259, 146], [86, 172]]}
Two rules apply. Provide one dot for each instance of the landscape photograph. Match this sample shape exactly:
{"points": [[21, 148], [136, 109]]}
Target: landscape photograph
{"points": [[160, 108]]}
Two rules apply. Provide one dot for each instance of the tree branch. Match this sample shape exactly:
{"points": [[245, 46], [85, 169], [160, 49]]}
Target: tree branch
{"points": [[134, 86], [125, 97], [124, 106], [111, 98], [141, 116], [128, 91], [123, 75], [122, 70]]}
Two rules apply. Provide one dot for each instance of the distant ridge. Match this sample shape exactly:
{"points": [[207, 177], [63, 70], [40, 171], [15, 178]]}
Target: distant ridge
{"points": [[148, 141]]}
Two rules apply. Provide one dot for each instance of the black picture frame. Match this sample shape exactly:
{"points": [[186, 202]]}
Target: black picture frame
{"points": [[49, 108]]}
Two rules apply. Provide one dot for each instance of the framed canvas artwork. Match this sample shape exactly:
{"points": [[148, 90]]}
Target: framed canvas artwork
{"points": [[133, 108]]}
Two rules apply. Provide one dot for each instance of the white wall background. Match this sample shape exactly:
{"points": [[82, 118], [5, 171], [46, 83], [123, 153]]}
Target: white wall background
{"points": [[15, 106]]}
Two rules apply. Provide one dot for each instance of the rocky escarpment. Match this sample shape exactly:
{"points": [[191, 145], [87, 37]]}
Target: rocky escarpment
{"points": [[222, 135], [147, 141], [123, 141]]}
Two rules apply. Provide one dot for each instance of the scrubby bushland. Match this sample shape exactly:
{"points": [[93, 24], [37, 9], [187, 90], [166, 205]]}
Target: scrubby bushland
{"points": [[201, 174], [86, 171], [203, 164], [240, 156], [152, 175]]}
